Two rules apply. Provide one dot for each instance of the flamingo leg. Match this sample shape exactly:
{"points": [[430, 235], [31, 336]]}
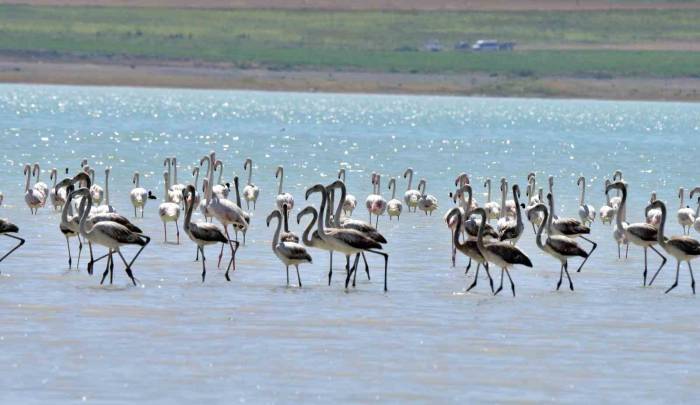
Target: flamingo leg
{"points": [[70, 258], [204, 266], [512, 284], [106, 272], [127, 267], [298, 276], [595, 245], [692, 278], [221, 254], [500, 287], [177, 230], [364, 259], [110, 264], [287, 268], [566, 270], [663, 258], [80, 251], [645, 268], [619, 256], [627, 249], [92, 262], [476, 278], [486, 267], [675, 283], [165, 230], [469, 266], [561, 276], [350, 271], [386, 265], [330, 268], [232, 262]]}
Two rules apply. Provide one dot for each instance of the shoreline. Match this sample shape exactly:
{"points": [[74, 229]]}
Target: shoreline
{"points": [[197, 75]]}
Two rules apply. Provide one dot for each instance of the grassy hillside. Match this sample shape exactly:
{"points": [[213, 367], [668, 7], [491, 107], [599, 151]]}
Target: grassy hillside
{"points": [[379, 41]]}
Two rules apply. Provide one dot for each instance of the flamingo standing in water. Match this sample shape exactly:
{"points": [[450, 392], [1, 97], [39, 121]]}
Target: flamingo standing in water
{"points": [[283, 198], [96, 191], [502, 254], [607, 211], [32, 196], [559, 247], [394, 206], [109, 234], [514, 229], [106, 207], [203, 233], [427, 202], [350, 202], [376, 204], [683, 248], [70, 222], [686, 216], [250, 191], [411, 196], [493, 209], [641, 233], [289, 253], [586, 212], [57, 196], [168, 210], [40, 185], [469, 248], [653, 216], [315, 240], [139, 196]]}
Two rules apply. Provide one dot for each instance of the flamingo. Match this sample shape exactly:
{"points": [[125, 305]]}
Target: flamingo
{"points": [[106, 207], [172, 194], [57, 196], [96, 191], [394, 206], [32, 196], [347, 241], [220, 189], [607, 211], [286, 235], [619, 233], [139, 196], [109, 234], [686, 216], [70, 223], [559, 247], [283, 198], [315, 240], [411, 196], [535, 217], [350, 202], [250, 191], [653, 216], [7, 228], [169, 211], [586, 212], [225, 211], [175, 186], [195, 195], [514, 229], [640, 233], [615, 201], [469, 248], [493, 209], [502, 254], [696, 224], [204, 234], [427, 202], [376, 204], [569, 227], [683, 248], [40, 185], [289, 253]]}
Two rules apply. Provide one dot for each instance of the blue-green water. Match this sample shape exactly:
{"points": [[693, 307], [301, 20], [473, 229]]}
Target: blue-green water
{"points": [[66, 339]]}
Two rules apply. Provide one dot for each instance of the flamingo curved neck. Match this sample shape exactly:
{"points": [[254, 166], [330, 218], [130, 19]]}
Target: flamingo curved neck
{"points": [[276, 237], [189, 205], [84, 209], [339, 210], [546, 221], [410, 179], [662, 225], [28, 172], [488, 190], [305, 236], [250, 172]]}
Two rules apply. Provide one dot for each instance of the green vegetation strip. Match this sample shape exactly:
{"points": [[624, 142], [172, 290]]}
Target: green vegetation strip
{"points": [[377, 41]]}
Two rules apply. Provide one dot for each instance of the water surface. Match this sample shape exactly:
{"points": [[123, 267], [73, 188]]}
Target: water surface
{"points": [[66, 339]]}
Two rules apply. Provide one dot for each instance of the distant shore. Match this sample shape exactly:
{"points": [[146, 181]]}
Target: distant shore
{"points": [[177, 74]]}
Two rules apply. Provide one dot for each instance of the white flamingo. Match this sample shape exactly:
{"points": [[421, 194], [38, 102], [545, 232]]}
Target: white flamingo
{"points": [[375, 203], [169, 211], [607, 211], [96, 191], [32, 196], [220, 189], [508, 205], [250, 191], [653, 216], [427, 202], [394, 206], [40, 185], [106, 207], [411, 196], [686, 216], [57, 196], [350, 202], [139, 196], [172, 194], [283, 198], [586, 212], [493, 209]]}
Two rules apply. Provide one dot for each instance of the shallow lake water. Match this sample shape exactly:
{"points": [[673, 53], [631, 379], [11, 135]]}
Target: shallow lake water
{"points": [[65, 338]]}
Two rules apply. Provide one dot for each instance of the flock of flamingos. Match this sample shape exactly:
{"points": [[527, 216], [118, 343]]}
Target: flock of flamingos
{"points": [[86, 215]]}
